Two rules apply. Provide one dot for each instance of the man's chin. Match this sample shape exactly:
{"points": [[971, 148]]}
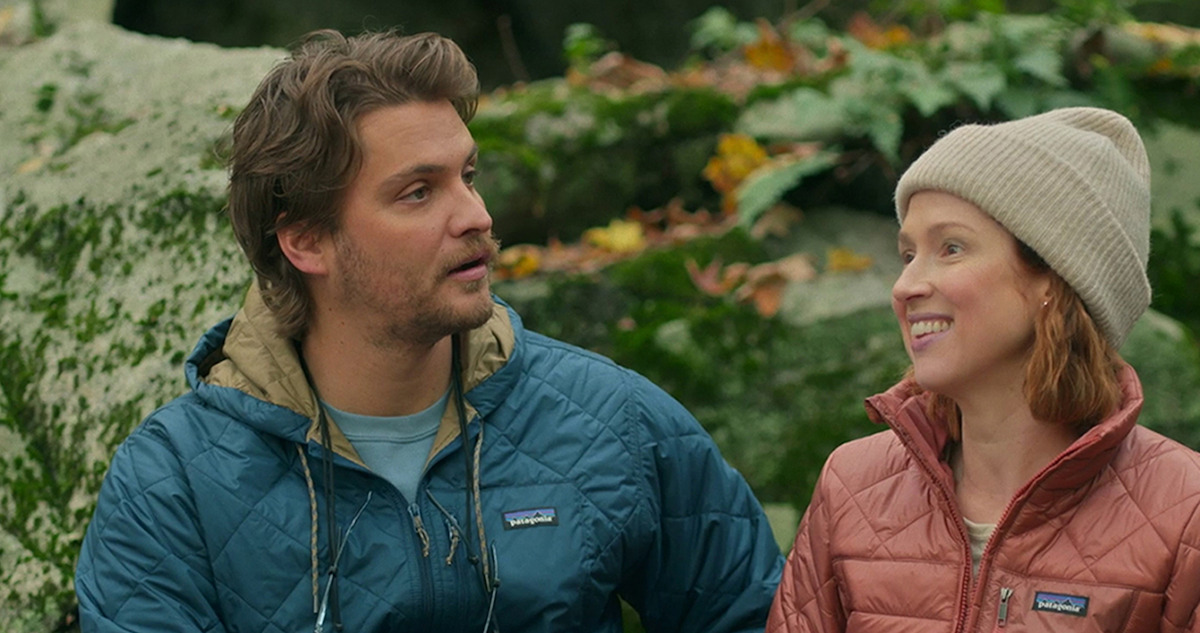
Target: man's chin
{"points": [[478, 313]]}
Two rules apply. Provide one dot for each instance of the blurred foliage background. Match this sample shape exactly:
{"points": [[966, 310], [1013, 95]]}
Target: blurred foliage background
{"points": [[702, 193]]}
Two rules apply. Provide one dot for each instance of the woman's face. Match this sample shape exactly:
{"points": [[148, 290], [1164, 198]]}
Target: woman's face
{"points": [[965, 301]]}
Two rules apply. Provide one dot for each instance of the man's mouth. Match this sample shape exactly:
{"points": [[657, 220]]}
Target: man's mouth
{"points": [[468, 265]]}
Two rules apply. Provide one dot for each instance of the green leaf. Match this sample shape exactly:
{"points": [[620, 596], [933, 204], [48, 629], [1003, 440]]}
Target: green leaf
{"points": [[926, 92], [768, 184], [980, 82], [802, 115], [718, 30], [1043, 63], [885, 129], [1019, 102]]}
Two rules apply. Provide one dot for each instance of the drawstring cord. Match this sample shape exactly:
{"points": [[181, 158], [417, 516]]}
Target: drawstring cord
{"points": [[451, 526], [331, 586], [312, 504], [471, 461]]}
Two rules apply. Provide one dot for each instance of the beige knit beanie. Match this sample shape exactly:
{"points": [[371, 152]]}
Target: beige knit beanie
{"points": [[1073, 184]]}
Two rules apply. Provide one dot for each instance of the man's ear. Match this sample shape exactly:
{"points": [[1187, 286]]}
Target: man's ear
{"points": [[307, 248]]}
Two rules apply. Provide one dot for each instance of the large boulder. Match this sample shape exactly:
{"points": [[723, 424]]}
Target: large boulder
{"points": [[113, 258]]}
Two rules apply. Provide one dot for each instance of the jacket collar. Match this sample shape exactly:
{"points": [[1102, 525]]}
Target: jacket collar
{"points": [[904, 409], [247, 356]]}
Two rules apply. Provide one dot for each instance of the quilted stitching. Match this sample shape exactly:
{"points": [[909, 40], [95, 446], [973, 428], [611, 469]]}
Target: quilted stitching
{"points": [[1126, 530]]}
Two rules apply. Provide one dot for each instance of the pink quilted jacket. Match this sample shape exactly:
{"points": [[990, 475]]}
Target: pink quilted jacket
{"points": [[1104, 538]]}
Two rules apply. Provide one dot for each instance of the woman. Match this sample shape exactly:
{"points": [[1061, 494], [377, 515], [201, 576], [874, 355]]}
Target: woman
{"points": [[1015, 490]]}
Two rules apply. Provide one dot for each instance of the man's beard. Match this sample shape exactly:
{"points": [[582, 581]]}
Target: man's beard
{"points": [[419, 325]]}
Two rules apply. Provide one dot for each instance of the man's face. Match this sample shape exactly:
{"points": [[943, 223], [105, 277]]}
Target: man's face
{"points": [[413, 251]]}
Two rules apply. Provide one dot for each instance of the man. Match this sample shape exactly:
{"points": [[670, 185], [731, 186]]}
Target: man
{"points": [[374, 443]]}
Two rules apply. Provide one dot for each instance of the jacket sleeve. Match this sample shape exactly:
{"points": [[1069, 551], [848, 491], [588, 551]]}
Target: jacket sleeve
{"points": [[1181, 612], [143, 566], [807, 601], [712, 564]]}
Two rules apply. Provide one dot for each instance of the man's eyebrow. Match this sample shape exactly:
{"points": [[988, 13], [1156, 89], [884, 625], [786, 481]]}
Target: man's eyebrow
{"points": [[426, 168]]}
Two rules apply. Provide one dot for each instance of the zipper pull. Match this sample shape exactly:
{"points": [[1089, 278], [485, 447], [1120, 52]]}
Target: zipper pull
{"points": [[1002, 616], [419, 525], [454, 539]]}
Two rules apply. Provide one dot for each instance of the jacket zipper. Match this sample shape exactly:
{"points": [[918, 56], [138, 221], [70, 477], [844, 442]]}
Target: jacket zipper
{"points": [[1002, 614], [964, 590]]}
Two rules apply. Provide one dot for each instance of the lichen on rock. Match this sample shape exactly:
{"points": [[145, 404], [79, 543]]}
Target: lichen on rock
{"points": [[114, 256]]}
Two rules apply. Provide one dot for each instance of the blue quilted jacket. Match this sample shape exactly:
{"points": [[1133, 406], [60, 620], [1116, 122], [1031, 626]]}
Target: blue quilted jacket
{"points": [[592, 484]]}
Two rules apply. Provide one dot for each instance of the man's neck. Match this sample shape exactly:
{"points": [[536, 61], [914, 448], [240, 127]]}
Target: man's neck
{"points": [[358, 376]]}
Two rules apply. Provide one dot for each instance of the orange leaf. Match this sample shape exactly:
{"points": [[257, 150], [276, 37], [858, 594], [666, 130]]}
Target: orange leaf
{"points": [[862, 28], [769, 51], [707, 279], [765, 283]]}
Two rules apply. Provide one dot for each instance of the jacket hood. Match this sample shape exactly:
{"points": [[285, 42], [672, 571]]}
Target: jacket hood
{"points": [[245, 368]]}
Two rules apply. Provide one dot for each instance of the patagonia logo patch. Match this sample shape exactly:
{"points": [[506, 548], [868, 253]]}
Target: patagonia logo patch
{"points": [[1060, 603], [536, 517]]}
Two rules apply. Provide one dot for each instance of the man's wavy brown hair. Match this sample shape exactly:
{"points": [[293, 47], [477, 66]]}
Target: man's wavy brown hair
{"points": [[1072, 373], [296, 149]]}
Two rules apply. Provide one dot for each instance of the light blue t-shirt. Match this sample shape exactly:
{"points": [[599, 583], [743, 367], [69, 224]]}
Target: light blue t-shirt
{"points": [[395, 447]]}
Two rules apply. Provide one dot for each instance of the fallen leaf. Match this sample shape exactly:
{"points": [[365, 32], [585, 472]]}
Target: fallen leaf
{"points": [[707, 279], [738, 155], [518, 261], [864, 29], [770, 51], [776, 221], [846, 260], [618, 72], [765, 283], [620, 236]]}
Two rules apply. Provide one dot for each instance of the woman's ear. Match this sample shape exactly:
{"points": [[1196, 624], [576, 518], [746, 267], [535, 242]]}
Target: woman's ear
{"points": [[307, 248]]}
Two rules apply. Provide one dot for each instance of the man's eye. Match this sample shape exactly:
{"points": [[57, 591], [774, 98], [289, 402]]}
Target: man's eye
{"points": [[469, 176], [416, 195]]}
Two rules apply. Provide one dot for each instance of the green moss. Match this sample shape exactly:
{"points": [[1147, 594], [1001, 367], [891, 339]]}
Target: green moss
{"points": [[45, 97]]}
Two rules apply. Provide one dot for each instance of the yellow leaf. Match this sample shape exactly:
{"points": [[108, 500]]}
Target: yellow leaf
{"points": [[738, 155], [846, 260], [620, 236], [518, 261]]}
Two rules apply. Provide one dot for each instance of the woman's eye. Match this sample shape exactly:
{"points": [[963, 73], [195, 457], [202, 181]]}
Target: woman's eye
{"points": [[906, 256], [953, 249], [469, 176]]}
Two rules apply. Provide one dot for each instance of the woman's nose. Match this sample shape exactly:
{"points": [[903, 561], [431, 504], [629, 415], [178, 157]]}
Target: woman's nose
{"points": [[912, 283]]}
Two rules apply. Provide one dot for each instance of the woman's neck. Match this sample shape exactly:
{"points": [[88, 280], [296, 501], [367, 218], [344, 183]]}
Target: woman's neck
{"points": [[1000, 451]]}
